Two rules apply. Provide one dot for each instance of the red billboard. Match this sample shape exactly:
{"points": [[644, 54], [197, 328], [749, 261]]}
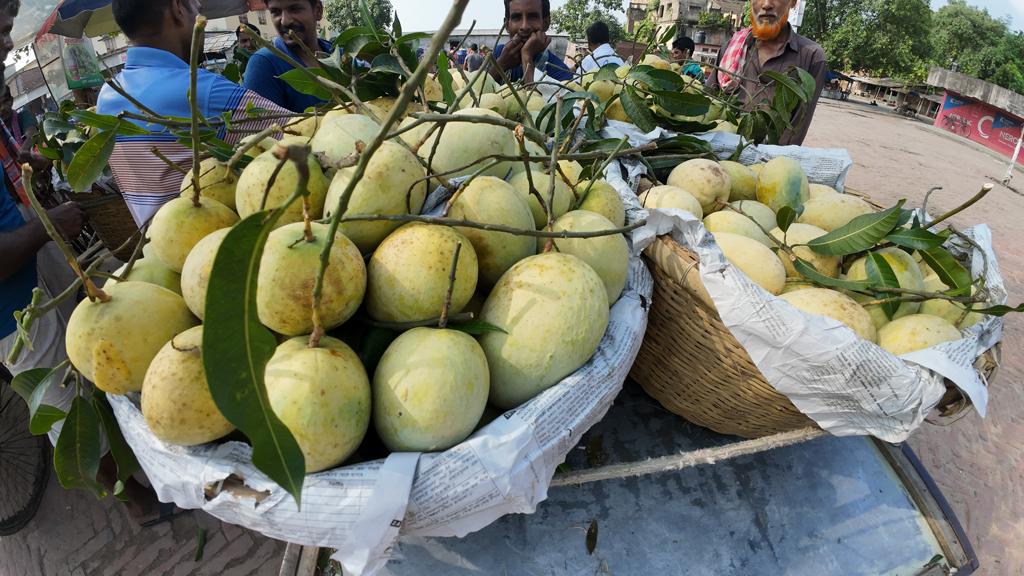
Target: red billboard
{"points": [[981, 123]]}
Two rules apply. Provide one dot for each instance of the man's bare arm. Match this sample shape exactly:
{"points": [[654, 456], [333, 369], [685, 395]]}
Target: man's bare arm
{"points": [[20, 245]]}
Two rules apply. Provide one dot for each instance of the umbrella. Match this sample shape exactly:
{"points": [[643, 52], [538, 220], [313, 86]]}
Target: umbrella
{"points": [[92, 18]]}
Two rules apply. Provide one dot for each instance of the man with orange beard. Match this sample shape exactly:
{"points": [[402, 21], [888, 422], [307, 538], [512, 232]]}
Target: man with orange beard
{"points": [[770, 44]]}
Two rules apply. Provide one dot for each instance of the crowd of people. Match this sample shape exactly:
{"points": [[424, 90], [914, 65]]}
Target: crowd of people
{"points": [[155, 80]]}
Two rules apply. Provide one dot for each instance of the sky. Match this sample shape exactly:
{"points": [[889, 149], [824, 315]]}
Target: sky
{"points": [[428, 14]]}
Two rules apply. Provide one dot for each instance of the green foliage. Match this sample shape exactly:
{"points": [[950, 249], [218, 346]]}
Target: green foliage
{"points": [[886, 37], [859, 234], [713, 21], [575, 16], [345, 14]]}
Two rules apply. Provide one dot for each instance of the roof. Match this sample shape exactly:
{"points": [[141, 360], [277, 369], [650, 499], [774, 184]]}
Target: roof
{"points": [[883, 82], [219, 41], [964, 85]]}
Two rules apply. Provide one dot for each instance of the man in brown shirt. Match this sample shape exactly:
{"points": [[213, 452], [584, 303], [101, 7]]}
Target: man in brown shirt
{"points": [[771, 44]]}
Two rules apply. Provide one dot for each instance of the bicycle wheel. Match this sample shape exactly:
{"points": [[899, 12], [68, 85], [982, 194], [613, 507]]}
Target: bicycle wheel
{"points": [[24, 462]]}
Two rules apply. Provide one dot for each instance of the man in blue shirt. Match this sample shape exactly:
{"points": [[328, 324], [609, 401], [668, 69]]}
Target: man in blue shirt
{"points": [[261, 75], [156, 74], [527, 22]]}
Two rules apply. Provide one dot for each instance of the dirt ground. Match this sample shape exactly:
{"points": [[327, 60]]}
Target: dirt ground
{"points": [[978, 462]]}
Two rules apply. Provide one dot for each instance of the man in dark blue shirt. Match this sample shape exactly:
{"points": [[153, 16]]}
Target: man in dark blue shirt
{"points": [[261, 74], [527, 22]]}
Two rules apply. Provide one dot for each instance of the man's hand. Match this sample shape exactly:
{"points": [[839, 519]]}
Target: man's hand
{"points": [[68, 218], [536, 44], [511, 54]]}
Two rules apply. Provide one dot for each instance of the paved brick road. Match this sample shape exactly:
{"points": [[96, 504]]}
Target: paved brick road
{"points": [[978, 463]]}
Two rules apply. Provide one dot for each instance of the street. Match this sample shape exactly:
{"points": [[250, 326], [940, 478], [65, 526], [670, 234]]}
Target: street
{"points": [[977, 462]]}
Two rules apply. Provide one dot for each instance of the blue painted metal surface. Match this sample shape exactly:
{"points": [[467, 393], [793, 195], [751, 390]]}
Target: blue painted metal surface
{"points": [[831, 506]]}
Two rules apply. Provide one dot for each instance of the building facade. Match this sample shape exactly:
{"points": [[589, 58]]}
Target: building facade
{"points": [[980, 111]]}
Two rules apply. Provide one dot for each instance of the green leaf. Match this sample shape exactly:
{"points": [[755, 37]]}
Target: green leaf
{"points": [[237, 347], [1000, 310], [367, 16], [657, 79], [387, 63], [787, 82], [859, 234], [915, 238], [444, 78], [88, 163], [119, 448], [811, 273], [636, 109], [300, 80], [946, 267], [668, 35], [105, 122], [412, 36], [905, 216], [807, 82], [682, 103], [76, 458], [232, 72], [353, 39], [396, 26], [684, 144], [32, 385], [476, 327], [607, 72], [200, 544], [785, 217], [881, 275]]}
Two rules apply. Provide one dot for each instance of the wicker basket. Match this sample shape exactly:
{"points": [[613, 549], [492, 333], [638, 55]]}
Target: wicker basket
{"points": [[110, 218], [695, 367]]}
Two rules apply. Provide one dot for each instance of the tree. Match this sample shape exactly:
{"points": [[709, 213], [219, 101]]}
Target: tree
{"points": [[575, 16], [961, 32], [885, 37], [343, 14], [713, 21]]}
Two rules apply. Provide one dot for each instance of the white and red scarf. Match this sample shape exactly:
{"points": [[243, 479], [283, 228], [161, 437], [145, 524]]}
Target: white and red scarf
{"points": [[734, 58]]}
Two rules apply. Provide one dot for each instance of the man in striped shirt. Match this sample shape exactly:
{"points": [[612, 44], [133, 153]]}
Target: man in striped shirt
{"points": [[156, 75]]}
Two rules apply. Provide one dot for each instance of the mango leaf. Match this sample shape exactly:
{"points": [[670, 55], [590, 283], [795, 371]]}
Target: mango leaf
{"points": [[476, 327], [915, 238], [412, 37], [76, 457], [444, 78], [232, 72], [105, 122], [90, 160], [607, 72], [905, 216], [859, 234], [352, 40], [785, 217], [788, 83], [119, 449], [387, 63], [367, 16], [300, 80], [636, 109], [650, 76], [32, 385], [684, 143], [946, 267], [396, 26], [1000, 310], [237, 347], [807, 82], [668, 35], [811, 273], [881, 275], [682, 103]]}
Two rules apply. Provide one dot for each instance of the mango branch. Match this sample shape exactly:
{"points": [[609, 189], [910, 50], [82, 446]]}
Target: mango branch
{"points": [[406, 94], [91, 290], [156, 152], [535, 135], [193, 100], [492, 64], [253, 142], [616, 152], [442, 221], [521, 140], [981, 194], [554, 173], [443, 321]]}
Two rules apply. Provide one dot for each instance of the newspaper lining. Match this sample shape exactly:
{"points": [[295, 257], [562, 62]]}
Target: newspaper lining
{"points": [[360, 509]]}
